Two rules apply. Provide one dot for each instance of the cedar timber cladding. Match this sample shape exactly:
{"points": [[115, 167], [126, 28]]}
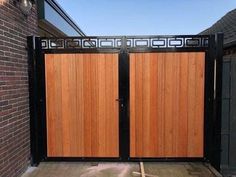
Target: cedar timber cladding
{"points": [[167, 104], [82, 111]]}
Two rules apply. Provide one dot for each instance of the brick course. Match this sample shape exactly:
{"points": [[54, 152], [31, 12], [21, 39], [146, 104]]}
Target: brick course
{"points": [[14, 94]]}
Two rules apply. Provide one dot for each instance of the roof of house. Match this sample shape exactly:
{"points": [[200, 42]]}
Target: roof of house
{"points": [[226, 25], [54, 19]]}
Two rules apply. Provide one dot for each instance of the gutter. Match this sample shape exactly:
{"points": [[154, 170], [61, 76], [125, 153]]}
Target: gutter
{"points": [[60, 12]]}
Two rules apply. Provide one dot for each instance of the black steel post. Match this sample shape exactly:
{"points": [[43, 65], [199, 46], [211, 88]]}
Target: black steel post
{"points": [[218, 99], [40, 65], [33, 99], [124, 101], [37, 100], [209, 99]]}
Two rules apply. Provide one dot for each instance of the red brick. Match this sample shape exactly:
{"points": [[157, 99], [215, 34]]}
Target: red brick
{"points": [[14, 96]]}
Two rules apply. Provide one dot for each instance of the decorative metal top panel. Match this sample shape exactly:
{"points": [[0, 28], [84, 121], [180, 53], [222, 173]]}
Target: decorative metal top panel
{"points": [[167, 42], [82, 43], [125, 42]]}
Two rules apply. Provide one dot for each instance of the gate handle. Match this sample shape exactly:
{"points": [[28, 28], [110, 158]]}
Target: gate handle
{"points": [[120, 100]]}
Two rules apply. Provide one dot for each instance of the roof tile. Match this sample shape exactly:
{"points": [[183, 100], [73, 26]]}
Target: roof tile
{"points": [[226, 25]]}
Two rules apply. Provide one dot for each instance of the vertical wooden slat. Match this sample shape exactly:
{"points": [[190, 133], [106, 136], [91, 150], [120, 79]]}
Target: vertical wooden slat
{"points": [[72, 105], [50, 86], [200, 75], [175, 103], [79, 62], [182, 124], [115, 106], [160, 117], [168, 109], [153, 103], [57, 91], [94, 104], [82, 111], [87, 88], [132, 105], [146, 103], [102, 101], [65, 104], [139, 105]]}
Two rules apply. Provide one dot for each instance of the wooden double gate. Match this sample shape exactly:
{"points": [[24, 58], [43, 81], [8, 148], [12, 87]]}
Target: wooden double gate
{"points": [[125, 98]]}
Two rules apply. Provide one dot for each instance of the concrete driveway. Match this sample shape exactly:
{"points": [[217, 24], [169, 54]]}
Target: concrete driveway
{"points": [[86, 169]]}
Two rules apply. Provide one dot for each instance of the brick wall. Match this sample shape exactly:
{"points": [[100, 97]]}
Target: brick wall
{"points": [[14, 96]]}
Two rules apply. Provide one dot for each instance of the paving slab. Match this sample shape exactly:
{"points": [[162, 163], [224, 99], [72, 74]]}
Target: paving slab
{"points": [[106, 169]]}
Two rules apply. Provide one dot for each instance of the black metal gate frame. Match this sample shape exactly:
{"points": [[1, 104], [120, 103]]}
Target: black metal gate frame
{"points": [[212, 45]]}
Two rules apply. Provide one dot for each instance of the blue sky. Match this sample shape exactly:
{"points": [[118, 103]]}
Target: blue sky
{"points": [[145, 17]]}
